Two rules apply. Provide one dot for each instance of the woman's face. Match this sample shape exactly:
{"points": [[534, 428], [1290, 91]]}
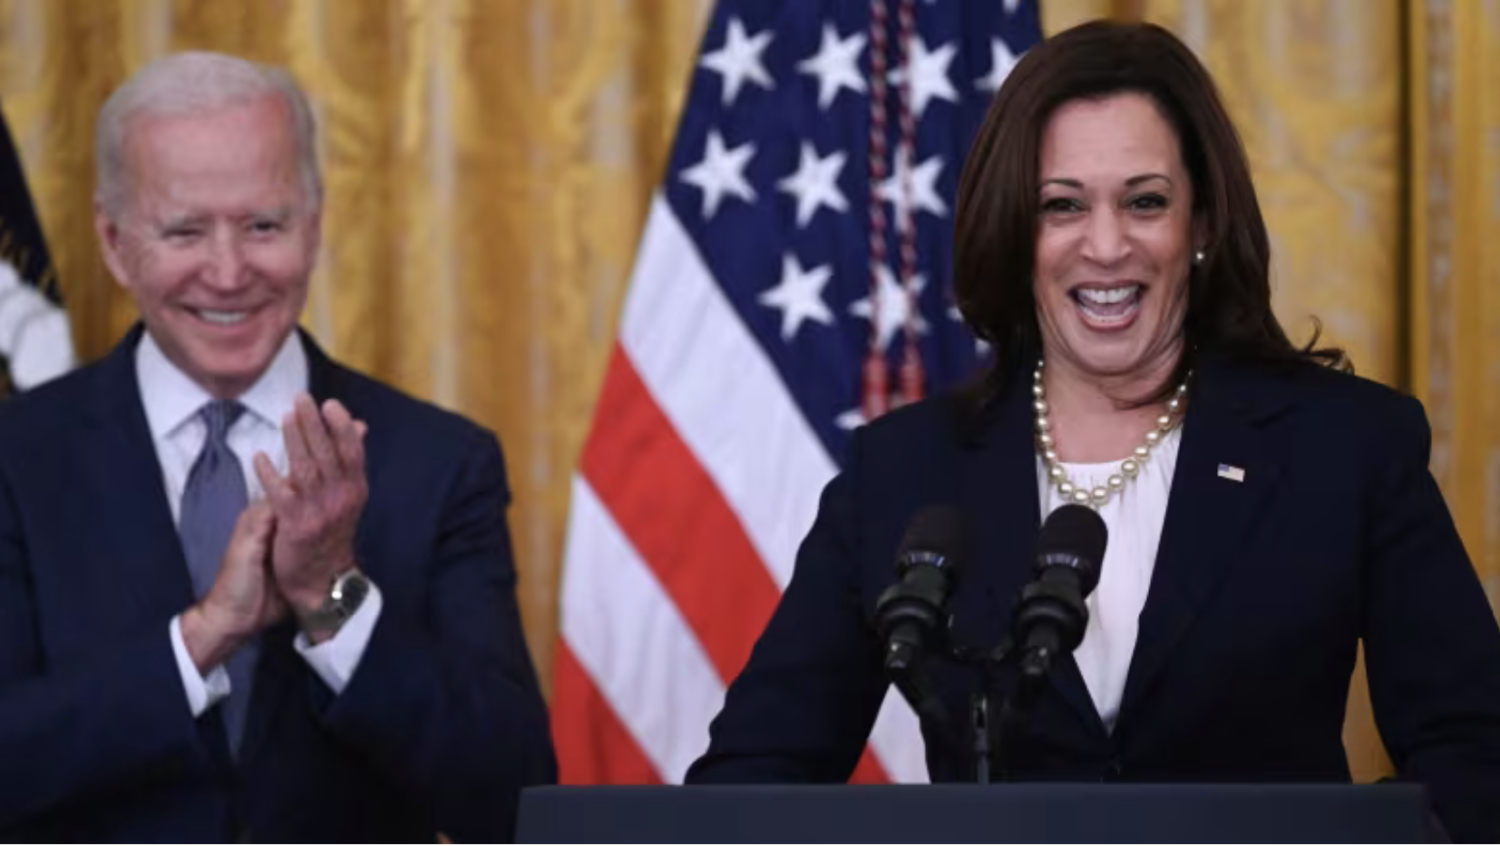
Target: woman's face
{"points": [[1115, 239]]}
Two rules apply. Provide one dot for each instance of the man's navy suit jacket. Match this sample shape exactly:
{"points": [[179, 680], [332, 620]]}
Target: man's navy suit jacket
{"points": [[1263, 589], [437, 731]]}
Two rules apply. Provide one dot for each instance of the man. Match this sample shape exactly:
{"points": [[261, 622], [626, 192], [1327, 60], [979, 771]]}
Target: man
{"points": [[245, 592]]}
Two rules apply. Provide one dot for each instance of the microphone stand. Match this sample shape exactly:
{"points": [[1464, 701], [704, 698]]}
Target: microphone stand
{"points": [[905, 665], [989, 730]]}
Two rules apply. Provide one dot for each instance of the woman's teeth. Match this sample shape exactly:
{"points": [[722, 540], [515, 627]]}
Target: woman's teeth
{"points": [[1109, 305], [1107, 296]]}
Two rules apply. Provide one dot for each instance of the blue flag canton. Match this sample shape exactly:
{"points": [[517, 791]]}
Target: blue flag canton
{"points": [[770, 176]]}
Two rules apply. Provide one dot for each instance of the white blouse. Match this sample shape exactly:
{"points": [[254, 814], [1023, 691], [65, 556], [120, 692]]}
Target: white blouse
{"points": [[1134, 517]]}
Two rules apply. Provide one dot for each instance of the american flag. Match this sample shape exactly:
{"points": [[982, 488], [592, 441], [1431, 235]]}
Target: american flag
{"points": [[36, 342], [792, 281]]}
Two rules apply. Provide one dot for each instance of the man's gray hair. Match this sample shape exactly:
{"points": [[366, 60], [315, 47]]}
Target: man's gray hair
{"points": [[194, 83]]}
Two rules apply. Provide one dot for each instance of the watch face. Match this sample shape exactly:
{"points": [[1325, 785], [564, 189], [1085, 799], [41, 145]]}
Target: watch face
{"points": [[349, 591]]}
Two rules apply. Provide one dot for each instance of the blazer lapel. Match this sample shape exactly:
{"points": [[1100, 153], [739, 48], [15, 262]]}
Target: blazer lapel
{"points": [[280, 666], [326, 380], [998, 493], [274, 671], [120, 464], [1224, 477], [121, 469], [322, 373]]}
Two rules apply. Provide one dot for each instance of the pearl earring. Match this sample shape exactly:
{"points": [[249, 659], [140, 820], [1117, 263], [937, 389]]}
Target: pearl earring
{"points": [[1198, 257]]}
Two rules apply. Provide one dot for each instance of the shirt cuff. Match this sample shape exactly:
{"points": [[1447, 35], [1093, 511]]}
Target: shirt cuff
{"points": [[203, 692], [336, 659]]}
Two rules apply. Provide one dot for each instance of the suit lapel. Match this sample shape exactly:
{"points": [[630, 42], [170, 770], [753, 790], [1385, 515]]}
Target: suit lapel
{"points": [[120, 463], [274, 672], [1225, 475], [280, 666], [322, 373], [327, 379], [998, 493], [129, 499]]}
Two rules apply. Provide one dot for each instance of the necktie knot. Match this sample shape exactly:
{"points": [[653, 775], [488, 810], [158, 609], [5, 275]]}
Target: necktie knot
{"points": [[219, 416]]}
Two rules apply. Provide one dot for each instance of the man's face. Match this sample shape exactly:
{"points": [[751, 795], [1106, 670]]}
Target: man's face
{"points": [[216, 237]]}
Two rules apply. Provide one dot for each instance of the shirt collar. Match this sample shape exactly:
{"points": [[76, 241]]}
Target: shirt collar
{"points": [[171, 398]]}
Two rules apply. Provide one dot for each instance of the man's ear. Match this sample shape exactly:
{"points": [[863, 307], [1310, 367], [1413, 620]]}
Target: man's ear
{"points": [[110, 243], [317, 230]]}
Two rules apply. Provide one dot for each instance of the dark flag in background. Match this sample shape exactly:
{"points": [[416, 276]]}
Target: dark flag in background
{"points": [[36, 343]]}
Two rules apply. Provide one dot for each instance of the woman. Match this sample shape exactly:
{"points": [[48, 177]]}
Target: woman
{"points": [[1266, 510]]}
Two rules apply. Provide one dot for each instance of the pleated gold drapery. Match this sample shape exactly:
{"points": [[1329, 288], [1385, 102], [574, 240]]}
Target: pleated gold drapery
{"points": [[490, 162], [1454, 242]]}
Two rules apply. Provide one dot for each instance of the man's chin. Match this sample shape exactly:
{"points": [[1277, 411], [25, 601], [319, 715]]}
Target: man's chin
{"points": [[224, 362], [227, 378]]}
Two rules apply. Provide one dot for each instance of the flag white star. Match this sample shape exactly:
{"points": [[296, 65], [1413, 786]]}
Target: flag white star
{"points": [[816, 183], [1011, 6], [851, 419], [895, 306], [929, 77], [739, 60], [721, 172], [1001, 62], [836, 65], [923, 182], [799, 295], [980, 347]]}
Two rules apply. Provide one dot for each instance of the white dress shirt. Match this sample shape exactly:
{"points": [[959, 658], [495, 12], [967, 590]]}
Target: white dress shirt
{"points": [[172, 402], [1134, 517]]}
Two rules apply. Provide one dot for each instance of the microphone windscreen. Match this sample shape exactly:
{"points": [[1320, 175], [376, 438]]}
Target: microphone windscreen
{"points": [[937, 529], [1075, 531]]}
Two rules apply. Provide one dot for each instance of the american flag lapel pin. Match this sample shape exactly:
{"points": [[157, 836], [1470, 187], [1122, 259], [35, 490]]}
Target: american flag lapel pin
{"points": [[1231, 472]]}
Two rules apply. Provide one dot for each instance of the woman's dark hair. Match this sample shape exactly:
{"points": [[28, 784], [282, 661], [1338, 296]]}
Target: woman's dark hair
{"points": [[998, 208]]}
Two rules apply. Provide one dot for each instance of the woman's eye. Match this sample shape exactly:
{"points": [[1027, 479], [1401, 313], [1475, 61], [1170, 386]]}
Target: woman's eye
{"points": [[1149, 202], [1061, 205]]}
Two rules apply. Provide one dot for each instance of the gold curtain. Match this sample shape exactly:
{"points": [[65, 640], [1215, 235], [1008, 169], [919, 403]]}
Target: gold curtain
{"points": [[1454, 262], [489, 165]]}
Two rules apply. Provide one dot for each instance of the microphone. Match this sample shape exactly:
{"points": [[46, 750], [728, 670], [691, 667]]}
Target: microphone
{"points": [[1052, 617], [911, 615]]}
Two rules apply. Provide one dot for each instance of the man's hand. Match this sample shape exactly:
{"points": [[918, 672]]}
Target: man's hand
{"points": [[318, 503], [243, 599]]}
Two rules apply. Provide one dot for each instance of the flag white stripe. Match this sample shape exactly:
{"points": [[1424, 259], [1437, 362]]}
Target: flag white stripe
{"points": [[897, 740], [633, 642], [722, 394]]}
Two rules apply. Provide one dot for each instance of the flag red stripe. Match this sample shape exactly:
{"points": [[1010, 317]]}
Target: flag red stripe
{"points": [[868, 770], [677, 519], [593, 746]]}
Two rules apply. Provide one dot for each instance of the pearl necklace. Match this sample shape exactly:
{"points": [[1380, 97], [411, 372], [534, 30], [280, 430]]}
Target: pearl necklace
{"points": [[1129, 468]]}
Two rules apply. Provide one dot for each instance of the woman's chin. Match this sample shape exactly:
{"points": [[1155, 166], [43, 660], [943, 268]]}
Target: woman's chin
{"points": [[1115, 356]]}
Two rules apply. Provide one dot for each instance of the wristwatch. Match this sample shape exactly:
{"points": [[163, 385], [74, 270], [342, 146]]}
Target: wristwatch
{"points": [[344, 597]]}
